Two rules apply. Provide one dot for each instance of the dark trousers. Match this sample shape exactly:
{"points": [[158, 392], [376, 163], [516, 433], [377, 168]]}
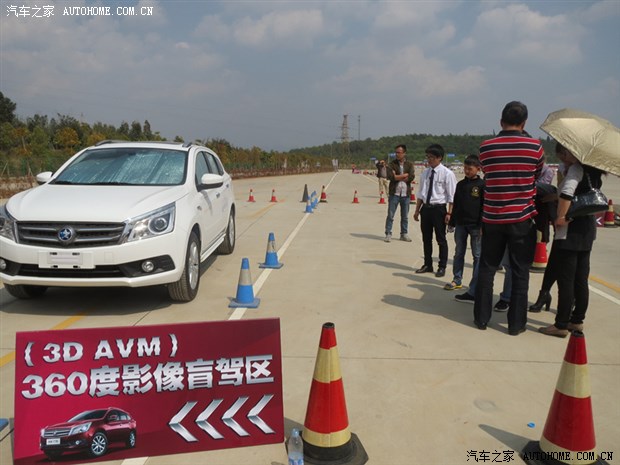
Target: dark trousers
{"points": [[520, 239], [572, 271], [432, 219]]}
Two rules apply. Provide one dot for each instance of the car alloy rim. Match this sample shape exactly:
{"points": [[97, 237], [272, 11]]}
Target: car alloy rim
{"points": [[193, 265], [132, 439], [99, 443]]}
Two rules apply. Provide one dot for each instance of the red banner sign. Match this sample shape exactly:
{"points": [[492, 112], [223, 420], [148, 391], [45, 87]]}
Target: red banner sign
{"points": [[114, 393]]}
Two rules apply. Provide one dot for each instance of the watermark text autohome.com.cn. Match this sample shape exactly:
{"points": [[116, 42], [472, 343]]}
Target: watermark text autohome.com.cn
{"points": [[47, 11]]}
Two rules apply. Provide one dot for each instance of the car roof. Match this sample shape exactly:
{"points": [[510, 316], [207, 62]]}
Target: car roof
{"points": [[151, 144]]}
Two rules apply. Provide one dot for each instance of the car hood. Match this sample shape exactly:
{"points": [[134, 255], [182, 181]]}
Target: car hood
{"points": [[68, 424], [53, 202]]}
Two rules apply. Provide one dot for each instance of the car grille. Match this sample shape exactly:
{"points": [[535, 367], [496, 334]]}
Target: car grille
{"points": [[56, 432], [83, 234]]}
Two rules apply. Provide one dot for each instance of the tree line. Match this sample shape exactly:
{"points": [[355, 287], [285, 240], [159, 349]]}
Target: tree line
{"points": [[40, 143]]}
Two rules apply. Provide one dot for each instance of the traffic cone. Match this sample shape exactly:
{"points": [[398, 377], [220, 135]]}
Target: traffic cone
{"points": [[245, 292], [568, 436], [326, 435], [304, 198], [323, 195], [309, 208], [381, 198], [355, 199], [271, 257], [251, 197], [273, 196], [540, 255], [609, 215], [412, 198]]}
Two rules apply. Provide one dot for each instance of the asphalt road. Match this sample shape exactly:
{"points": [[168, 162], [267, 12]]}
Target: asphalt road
{"points": [[422, 384]]}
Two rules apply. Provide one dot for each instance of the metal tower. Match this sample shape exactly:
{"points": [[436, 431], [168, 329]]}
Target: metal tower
{"points": [[344, 136]]}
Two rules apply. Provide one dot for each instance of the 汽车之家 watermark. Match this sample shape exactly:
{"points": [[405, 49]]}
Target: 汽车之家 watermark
{"points": [[496, 456], [488, 456], [47, 11]]}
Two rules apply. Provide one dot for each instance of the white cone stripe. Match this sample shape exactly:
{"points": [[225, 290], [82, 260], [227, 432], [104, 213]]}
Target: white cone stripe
{"points": [[244, 278], [547, 446], [574, 381]]}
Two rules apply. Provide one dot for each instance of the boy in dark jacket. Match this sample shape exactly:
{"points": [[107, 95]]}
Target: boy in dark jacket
{"points": [[467, 220]]}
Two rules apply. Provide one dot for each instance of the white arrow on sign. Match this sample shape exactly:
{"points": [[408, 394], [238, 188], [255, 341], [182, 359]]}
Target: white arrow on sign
{"points": [[227, 418]]}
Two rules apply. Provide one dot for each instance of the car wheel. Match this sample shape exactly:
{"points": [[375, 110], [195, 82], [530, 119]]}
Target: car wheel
{"points": [[131, 440], [53, 455], [186, 288], [98, 445], [228, 245], [22, 291]]}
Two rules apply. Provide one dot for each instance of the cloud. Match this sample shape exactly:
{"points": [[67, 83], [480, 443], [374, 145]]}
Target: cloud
{"points": [[288, 29]]}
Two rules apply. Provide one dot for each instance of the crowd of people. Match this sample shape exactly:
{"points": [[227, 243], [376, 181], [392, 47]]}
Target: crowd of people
{"points": [[500, 213]]}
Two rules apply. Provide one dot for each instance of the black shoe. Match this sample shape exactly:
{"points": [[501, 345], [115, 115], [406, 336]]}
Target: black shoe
{"points": [[544, 300], [516, 332], [441, 272], [425, 269], [481, 326], [501, 306], [467, 298]]}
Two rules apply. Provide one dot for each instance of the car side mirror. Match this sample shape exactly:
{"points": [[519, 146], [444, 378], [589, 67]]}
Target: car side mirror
{"points": [[211, 181], [44, 177]]}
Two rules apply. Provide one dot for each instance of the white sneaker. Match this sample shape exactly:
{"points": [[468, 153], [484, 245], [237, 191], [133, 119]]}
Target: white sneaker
{"points": [[388, 238], [404, 237]]}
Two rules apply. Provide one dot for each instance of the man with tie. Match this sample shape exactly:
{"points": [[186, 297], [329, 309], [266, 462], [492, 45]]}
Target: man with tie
{"points": [[434, 206]]}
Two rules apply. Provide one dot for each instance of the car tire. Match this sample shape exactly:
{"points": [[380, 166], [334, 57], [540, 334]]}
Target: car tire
{"points": [[228, 246], [98, 445], [186, 288], [22, 291], [131, 440], [52, 455]]}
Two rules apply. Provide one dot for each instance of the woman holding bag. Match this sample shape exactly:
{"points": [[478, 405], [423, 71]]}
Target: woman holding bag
{"points": [[571, 247]]}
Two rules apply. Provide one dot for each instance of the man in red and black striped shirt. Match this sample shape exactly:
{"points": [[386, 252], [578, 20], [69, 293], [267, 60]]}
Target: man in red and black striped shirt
{"points": [[511, 163]]}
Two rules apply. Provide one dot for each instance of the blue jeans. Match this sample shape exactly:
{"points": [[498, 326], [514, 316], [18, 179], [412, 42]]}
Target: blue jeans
{"points": [[460, 239], [393, 202]]}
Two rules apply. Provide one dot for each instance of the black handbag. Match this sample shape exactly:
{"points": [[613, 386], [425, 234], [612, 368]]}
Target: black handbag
{"points": [[589, 202]]}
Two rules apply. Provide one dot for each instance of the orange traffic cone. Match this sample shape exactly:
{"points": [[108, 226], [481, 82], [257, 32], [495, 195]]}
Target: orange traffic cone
{"points": [[381, 198], [540, 255], [323, 195], [412, 198], [609, 215], [355, 199], [568, 436], [273, 196], [251, 197], [326, 435]]}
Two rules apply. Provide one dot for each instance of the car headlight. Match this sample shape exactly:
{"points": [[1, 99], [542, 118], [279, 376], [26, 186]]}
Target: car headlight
{"points": [[80, 428], [152, 224], [7, 224]]}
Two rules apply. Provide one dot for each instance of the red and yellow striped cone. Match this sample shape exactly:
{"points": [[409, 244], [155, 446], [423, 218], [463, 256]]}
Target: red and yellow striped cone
{"points": [[381, 198], [251, 197], [273, 196], [323, 198], [326, 435], [568, 436], [355, 199], [609, 221], [540, 255]]}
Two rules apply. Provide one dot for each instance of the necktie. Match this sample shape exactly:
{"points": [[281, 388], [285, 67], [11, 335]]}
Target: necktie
{"points": [[430, 187]]}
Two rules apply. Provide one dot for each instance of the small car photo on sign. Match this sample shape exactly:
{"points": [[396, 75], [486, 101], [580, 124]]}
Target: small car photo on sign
{"points": [[90, 433]]}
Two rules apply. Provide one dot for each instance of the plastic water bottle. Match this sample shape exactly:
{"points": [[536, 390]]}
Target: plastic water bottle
{"points": [[295, 449]]}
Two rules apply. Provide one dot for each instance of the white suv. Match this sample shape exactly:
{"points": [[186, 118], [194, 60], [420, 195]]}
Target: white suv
{"points": [[119, 214]]}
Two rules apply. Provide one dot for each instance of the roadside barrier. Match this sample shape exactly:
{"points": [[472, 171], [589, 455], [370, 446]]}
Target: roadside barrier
{"points": [[568, 436], [271, 257], [323, 195], [245, 291], [251, 197], [540, 255], [609, 215], [326, 435], [273, 196], [355, 199]]}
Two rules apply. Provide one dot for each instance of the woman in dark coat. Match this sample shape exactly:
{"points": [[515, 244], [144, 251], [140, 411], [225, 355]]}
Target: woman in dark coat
{"points": [[571, 247]]}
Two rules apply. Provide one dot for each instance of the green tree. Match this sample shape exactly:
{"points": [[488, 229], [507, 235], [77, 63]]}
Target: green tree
{"points": [[66, 138], [7, 109]]}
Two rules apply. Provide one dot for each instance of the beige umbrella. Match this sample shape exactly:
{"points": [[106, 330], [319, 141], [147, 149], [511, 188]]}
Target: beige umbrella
{"points": [[592, 139]]}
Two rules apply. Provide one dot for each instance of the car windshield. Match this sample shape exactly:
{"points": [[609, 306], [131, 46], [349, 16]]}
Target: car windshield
{"points": [[126, 166], [89, 415]]}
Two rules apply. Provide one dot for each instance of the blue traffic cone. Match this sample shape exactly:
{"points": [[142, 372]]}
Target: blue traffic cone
{"points": [[271, 257], [3, 423], [245, 292], [308, 207]]}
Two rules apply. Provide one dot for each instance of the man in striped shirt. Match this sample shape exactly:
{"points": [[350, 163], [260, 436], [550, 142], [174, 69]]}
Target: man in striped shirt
{"points": [[511, 163]]}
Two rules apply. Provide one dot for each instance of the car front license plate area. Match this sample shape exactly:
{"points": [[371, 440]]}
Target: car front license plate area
{"points": [[52, 441], [66, 260]]}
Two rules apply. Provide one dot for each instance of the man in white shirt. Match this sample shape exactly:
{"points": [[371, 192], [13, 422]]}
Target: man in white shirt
{"points": [[434, 205]]}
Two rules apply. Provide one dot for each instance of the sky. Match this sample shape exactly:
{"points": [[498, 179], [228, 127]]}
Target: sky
{"points": [[282, 74]]}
